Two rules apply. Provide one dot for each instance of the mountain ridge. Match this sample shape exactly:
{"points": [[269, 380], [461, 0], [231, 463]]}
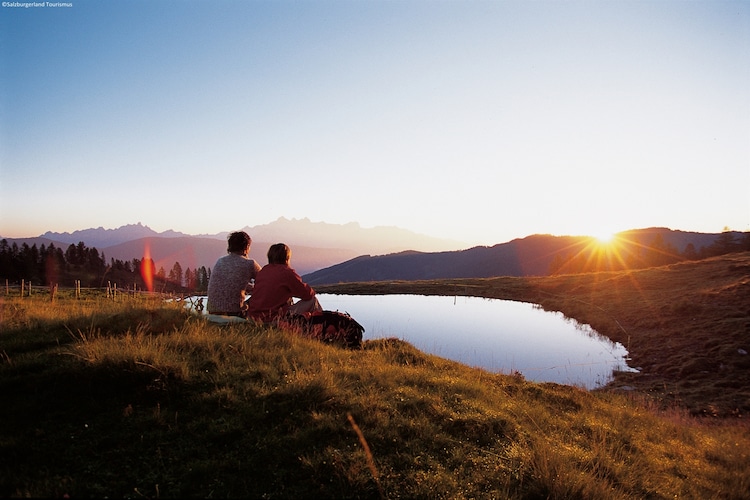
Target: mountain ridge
{"points": [[315, 245], [354, 253], [100, 237], [534, 255], [378, 239]]}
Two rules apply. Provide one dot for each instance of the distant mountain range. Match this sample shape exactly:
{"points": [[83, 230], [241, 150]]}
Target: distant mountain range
{"points": [[315, 245], [331, 253], [294, 232], [530, 256], [103, 238]]}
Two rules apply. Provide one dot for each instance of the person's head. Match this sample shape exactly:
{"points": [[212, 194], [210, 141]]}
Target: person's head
{"points": [[238, 242], [279, 254]]}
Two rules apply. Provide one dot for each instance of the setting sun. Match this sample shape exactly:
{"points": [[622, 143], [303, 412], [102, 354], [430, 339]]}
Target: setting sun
{"points": [[604, 237]]}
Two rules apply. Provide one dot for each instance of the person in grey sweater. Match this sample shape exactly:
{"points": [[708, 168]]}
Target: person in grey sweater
{"points": [[231, 278]]}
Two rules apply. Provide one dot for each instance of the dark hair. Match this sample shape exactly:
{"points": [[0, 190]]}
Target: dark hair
{"points": [[279, 254], [238, 242]]}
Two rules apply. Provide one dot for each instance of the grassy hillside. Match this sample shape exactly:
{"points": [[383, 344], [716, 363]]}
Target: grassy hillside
{"points": [[138, 398]]}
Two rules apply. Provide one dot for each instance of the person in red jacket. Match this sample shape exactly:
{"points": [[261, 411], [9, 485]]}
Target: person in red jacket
{"points": [[275, 287]]}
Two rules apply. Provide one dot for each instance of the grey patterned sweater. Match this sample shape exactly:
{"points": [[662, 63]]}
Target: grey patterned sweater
{"points": [[229, 281]]}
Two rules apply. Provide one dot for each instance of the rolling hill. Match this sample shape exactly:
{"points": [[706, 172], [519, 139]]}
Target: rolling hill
{"points": [[530, 256]]}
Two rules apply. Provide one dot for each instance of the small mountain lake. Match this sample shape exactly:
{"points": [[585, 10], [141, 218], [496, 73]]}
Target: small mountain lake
{"points": [[498, 335]]}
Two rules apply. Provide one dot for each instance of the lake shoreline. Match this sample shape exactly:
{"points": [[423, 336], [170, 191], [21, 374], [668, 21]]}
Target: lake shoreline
{"points": [[499, 336], [684, 325]]}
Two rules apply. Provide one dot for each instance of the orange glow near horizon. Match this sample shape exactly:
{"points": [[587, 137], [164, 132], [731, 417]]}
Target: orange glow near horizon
{"points": [[604, 237], [147, 268], [606, 252]]}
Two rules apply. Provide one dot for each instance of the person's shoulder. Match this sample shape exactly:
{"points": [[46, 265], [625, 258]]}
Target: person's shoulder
{"points": [[293, 272], [246, 262], [277, 269]]}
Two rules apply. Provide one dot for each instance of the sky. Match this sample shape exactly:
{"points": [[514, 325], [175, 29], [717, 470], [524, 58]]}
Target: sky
{"points": [[477, 121]]}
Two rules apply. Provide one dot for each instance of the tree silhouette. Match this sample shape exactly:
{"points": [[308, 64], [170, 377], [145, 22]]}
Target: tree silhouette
{"points": [[175, 275]]}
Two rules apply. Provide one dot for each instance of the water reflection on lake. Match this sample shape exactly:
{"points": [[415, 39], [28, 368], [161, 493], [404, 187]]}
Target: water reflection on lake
{"points": [[498, 335]]}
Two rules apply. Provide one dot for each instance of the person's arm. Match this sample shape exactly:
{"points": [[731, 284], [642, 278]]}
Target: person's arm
{"points": [[253, 273], [299, 288]]}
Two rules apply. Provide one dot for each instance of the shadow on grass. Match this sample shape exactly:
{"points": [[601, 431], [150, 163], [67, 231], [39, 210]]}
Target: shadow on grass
{"points": [[82, 429]]}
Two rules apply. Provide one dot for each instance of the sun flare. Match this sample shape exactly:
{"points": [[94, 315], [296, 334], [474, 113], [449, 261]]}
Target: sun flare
{"points": [[604, 237]]}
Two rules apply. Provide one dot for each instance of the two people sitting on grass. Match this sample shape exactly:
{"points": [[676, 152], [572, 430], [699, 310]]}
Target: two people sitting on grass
{"points": [[271, 290], [272, 296], [276, 285]]}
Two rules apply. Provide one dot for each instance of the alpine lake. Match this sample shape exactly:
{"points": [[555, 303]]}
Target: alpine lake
{"points": [[500, 336]]}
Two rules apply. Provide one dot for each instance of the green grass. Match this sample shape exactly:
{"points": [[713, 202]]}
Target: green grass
{"points": [[138, 398]]}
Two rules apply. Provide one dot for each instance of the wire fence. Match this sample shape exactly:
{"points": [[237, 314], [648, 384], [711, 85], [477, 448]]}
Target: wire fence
{"points": [[111, 291]]}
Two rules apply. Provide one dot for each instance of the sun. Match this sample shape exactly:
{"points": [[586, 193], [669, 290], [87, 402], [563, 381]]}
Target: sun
{"points": [[604, 237]]}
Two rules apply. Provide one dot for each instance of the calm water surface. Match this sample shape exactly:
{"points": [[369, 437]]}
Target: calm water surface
{"points": [[498, 335]]}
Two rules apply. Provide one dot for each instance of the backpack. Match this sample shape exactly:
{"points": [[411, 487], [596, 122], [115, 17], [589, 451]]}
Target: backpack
{"points": [[332, 327]]}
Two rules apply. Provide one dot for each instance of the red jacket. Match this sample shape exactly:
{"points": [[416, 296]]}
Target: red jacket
{"points": [[275, 285]]}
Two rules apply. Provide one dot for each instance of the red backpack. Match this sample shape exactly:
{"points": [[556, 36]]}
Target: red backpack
{"points": [[332, 327]]}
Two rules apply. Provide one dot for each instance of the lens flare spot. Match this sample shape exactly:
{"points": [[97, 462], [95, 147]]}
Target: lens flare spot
{"points": [[147, 268]]}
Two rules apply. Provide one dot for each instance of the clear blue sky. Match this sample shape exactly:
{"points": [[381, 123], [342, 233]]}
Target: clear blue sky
{"points": [[480, 121]]}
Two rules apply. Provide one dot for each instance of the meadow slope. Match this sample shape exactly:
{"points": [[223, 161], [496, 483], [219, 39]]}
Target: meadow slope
{"points": [[136, 397]]}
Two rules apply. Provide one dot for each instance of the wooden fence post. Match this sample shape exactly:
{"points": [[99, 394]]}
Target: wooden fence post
{"points": [[23, 285]]}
